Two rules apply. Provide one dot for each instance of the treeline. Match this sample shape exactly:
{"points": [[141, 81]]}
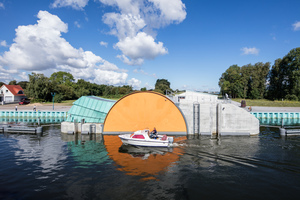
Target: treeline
{"points": [[62, 86], [258, 81]]}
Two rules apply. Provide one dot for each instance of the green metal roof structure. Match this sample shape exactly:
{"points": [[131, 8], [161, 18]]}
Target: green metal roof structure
{"points": [[90, 108]]}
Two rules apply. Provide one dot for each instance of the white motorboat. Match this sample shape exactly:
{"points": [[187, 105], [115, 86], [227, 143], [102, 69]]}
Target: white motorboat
{"points": [[142, 138]]}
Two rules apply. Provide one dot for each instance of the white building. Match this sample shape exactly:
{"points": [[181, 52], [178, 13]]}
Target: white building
{"points": [[191, 97], [11, 93]]}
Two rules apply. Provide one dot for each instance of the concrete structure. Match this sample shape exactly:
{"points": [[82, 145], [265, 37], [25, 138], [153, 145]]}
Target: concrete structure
{"points": [[11, 93], [192, 113], [79, 127], [205, 115], [141, 110], [87, 115]]}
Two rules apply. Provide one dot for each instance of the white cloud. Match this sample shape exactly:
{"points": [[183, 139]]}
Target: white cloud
{"points": [[296, 26], [3, 43], [6, 75], [103, 44], [76, 4], [135, 83], [134, 17], [123, 25], [2, 5], [127, 61], [24, 76], [41, 48], [170, 11], [248, 51], [142, 46], [135, 23]]}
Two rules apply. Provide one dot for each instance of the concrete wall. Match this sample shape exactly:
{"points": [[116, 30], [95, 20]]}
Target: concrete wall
{"points": [[76, 127], [222, 119]]}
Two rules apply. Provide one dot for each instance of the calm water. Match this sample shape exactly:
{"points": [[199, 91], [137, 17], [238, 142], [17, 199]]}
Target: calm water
{"points": [[60, 166]]}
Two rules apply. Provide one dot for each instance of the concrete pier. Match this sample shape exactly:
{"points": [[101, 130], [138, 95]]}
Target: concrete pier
{"points": [[215, 117]]}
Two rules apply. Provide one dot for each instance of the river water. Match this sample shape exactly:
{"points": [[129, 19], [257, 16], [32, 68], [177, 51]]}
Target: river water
{"points": [[61, 166]]}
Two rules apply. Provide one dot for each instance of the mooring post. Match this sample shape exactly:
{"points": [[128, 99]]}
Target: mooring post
{"points": [[75, 128], [219, 119]]}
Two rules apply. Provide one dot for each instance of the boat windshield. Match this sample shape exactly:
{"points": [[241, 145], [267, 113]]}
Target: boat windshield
{"points": [[138, 136]]}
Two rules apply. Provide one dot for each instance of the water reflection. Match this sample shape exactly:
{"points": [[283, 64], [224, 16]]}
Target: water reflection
{"points": [[141, 161], [61, 166], [143, 152], [47, 152], [87, 150]]}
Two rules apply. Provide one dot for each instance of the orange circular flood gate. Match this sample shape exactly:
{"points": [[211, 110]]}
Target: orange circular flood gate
{"points": [[141, 110]]}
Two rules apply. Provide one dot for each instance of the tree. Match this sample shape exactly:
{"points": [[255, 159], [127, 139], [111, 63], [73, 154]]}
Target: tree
{"points": [[231, 82], [284, 77], [258, 80], [162, 85], [23, 84], [2, 83], [62, 78], [14, 82], [40, 87]]}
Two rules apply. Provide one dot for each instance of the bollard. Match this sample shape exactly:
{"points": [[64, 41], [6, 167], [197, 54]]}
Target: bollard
{"points": [[282, 131]]}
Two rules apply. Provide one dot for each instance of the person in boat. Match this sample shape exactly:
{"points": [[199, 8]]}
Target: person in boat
{"points": [[153, 134]]}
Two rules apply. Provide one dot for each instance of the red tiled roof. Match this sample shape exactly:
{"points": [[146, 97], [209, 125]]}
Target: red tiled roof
{"points": [[14, 89]]}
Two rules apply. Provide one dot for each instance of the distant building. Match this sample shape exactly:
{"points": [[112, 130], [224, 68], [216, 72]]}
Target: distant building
{"points": [[11, 93], [191, 97]]}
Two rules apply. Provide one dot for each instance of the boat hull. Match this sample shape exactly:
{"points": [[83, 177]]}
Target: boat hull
{"points": [[144, 142]]}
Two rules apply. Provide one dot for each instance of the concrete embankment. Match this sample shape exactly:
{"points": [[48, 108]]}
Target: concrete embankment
{"points": [[39, 106]]}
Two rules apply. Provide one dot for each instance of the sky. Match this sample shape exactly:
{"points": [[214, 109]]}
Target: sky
{"points": [[135, 42]]}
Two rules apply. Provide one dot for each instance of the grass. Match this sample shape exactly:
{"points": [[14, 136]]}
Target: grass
{"points": [[63, 103], [269, 103]]}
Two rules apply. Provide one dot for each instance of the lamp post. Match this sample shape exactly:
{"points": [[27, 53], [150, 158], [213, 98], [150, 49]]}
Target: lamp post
{"points": [[53, 94]]}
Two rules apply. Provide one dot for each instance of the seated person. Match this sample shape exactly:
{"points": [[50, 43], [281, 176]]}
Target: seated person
{"points": [[153, 134]]}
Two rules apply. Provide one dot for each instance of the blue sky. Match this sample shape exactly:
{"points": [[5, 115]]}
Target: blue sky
{"points": [[118, 42]]}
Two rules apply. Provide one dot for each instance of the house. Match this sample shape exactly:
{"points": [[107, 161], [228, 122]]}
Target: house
{"points": [[11, 93]]}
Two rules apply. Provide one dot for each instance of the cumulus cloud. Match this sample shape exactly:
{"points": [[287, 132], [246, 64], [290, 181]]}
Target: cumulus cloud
{"points": [[137, 20], [135, 83], [3, 43], [6, 75], [40, 47], [296, 26], [76, 4], [248, 51], [142, 46]]}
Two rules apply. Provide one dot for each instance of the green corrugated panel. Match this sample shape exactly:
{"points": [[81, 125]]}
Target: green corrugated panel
{"points": [[92, 109]]}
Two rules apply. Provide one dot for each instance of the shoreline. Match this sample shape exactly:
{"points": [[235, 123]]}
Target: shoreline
{"points": [[57, 107], [39, 106]]}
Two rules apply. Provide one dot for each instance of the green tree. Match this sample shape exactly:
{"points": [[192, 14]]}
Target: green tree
{"points": [[231, 82], [162, 85], [284, 77], [14, 82], [23, 84], [62, 78], [39, 87]]}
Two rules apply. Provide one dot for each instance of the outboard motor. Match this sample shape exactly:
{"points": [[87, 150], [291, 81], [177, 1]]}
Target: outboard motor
{"points": [[170, 139]]}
